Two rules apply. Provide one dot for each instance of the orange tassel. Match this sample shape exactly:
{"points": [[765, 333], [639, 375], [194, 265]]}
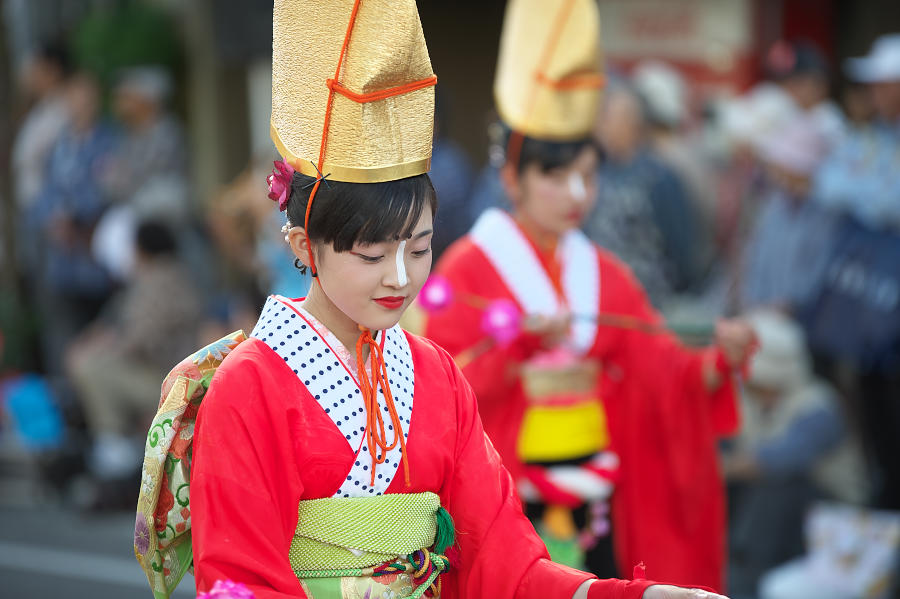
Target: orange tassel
{"points": [[376, 435]]}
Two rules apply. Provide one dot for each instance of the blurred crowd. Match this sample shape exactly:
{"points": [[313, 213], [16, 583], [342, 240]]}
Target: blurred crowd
{"points": [[782, 204]]}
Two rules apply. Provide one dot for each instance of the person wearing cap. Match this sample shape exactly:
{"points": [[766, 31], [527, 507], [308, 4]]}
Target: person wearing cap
{"points": [[587, 393], [800, 71], [334, 455], [860, 176]]}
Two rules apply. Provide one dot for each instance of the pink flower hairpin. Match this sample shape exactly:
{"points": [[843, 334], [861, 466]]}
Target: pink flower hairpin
{"points": [[280, 183]]}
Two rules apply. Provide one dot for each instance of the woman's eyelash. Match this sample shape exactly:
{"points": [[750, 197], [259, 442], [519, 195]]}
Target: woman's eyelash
{"points": [[370, 258], [422, 252]]}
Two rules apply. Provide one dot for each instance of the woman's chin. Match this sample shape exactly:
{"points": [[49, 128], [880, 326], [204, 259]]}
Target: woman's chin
{"points": [[378, 318]]}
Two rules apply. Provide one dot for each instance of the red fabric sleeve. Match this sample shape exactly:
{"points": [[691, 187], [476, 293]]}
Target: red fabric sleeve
{"points": [[500, 554], [669, 508], [623, 294], [244, 482], [618, 589]]}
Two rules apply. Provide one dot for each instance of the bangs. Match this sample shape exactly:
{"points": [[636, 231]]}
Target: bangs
{"points": [[549, 155], [344, 214]]}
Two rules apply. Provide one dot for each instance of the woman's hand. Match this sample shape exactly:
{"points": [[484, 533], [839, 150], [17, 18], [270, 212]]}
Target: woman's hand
{"points": [[735, 343], [657, 591], [665, 591], [551, 330], [736, 340]]}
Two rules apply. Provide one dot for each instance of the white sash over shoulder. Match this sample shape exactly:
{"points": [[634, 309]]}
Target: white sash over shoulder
{"points": [[514, 259]]}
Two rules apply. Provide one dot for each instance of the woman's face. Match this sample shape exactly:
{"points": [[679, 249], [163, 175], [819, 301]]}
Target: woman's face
{"points": [[558, 200], [374, 284]]}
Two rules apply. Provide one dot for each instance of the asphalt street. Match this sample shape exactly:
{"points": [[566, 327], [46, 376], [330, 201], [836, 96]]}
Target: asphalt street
{"points": [[48, 551]]}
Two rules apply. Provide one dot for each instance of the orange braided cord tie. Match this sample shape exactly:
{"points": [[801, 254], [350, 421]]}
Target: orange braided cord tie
{"points": [[336, 86], [375, 431], [376, 436]]}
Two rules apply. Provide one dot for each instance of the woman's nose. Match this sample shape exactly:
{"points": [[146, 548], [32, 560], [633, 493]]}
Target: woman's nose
{"points": [[396, 276]]}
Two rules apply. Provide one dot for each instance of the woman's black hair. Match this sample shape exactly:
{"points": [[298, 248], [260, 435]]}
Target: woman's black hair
{"points": [[549, 155], [155, 238], [344, 214]]}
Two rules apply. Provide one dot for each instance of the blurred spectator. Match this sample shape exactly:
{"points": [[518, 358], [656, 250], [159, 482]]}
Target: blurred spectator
{"points": [[802, 74], [117, 364], [860, 178], [664, 93], [745, 122], [451, 173], [256, 260], [792, 239], [857, 318], [643, 214], [147, 177], [43, 82], [793, 448], [858, 105], [72, 285]]}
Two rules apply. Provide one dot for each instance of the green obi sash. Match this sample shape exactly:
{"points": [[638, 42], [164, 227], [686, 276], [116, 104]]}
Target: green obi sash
{"points": [[349, 548]]}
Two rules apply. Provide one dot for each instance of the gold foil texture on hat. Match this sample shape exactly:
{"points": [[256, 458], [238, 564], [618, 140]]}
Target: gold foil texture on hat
{"points": [[538, 102], [369, 142]]}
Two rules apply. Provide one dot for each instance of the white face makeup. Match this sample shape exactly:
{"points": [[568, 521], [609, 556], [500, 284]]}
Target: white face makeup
{"points": [[576, 187], [402, 279]]}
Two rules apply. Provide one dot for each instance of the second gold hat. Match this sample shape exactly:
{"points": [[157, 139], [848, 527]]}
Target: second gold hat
{"points": [[549, 72]]}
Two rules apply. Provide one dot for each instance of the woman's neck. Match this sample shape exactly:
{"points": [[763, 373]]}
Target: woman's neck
{"points": [[342, 326], [545, 241]]}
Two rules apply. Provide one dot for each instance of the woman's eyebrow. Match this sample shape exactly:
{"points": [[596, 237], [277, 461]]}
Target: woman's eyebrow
{"points": [[423, 234]]}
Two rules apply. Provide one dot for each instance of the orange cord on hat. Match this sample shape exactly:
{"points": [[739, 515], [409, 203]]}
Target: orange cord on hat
{"points": [[381, 94], [335, 86], [376, 436], [586, 80], [337, 73], [375, 431], [516, 139]]}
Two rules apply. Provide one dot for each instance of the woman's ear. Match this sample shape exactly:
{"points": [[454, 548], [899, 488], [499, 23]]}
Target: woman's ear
{"points": [[509, 178], [299, 244]]}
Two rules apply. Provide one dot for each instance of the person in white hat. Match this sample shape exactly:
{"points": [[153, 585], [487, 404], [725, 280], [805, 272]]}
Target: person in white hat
{"points": [[860, 178], [789, 246], [793, 448]]}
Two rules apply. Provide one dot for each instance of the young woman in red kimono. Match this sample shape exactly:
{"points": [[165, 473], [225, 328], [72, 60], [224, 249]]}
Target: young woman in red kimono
{"points": [[589, 394], [335, 456], [661, 406]]}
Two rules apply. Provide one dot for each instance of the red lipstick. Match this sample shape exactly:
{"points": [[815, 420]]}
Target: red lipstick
{"points": [[391, 303]]}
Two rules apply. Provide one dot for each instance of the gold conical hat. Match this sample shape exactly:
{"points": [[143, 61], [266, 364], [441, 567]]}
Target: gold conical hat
{"points": [[370, 140], [549, 73]]}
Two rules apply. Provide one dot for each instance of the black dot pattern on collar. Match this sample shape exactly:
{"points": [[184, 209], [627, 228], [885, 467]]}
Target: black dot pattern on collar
{"points": [[294, 340]]}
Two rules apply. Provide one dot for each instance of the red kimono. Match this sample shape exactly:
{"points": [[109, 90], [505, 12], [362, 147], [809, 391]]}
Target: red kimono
{"points": [[283, 422], [668, 507]]}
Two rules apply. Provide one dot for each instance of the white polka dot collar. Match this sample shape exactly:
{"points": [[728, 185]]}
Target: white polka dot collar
{"points": [[328, 370]]}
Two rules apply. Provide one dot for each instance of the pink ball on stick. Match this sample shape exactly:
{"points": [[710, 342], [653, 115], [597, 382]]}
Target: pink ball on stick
{"points": [[502, 321], [436, 294]]}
